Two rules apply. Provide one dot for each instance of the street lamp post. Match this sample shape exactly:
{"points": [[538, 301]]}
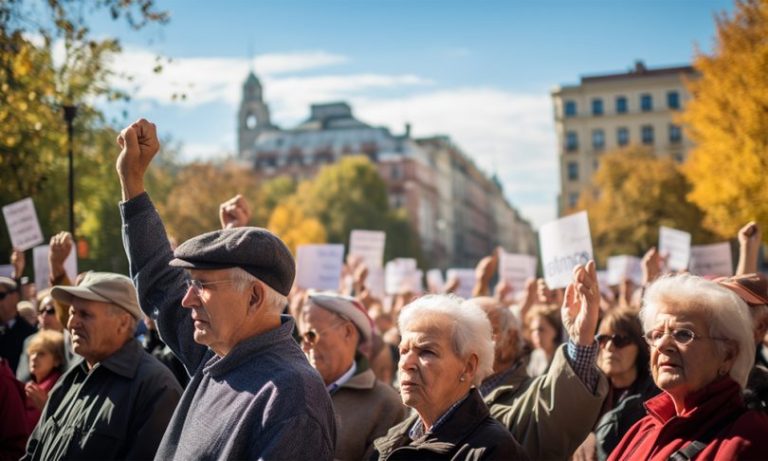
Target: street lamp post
{"points": [[70, 112]]}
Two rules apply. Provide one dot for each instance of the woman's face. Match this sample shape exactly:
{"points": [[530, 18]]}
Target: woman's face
{"points": [[46, 316], [41, 363], [617, 354], [542, 334], [432, 376], [680, 369]]}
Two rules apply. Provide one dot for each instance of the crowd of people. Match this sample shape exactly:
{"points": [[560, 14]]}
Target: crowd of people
{"points": [[210, 351]]}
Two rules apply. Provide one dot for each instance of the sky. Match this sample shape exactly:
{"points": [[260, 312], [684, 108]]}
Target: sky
{"points": [[480, 72]]}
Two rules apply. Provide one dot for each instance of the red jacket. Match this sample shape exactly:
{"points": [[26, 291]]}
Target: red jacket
{"points": [[662, 432]]}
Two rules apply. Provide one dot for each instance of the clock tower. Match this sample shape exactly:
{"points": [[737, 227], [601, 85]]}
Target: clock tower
{"points": [[253, 116]]}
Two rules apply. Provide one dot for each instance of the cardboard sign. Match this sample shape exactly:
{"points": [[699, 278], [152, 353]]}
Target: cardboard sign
{"points": [[435, 282], [624, 267], [466, 278], [715, 260], [43, 270], [565, 243], [318, 267], [677, 245], [369, 246], [399, 276], [23, 226], [375, 282], [516, 269]]}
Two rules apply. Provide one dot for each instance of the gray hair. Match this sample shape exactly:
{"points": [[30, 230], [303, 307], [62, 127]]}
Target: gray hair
{"points": [[242, 280], [114, 309], [508, 319], [471, 327], [725, 313]]}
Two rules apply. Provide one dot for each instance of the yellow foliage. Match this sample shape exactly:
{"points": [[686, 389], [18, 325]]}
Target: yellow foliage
{"points": [[294, 228]]}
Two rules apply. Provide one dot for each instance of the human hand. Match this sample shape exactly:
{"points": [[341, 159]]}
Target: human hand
{"points": [[18, 261], [36, 395], [750, 239], [750, 234], [484, 273], [235, 212], [139, 145], [581, 306], [60, 248], [651, 265]]}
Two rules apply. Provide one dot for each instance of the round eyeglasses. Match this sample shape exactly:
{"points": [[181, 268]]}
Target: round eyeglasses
{"points": [[681, 336]]}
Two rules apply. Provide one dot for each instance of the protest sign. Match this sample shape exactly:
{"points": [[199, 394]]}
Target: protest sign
{"points": [[676, 245], [399, 276], [712, 259], [466, 278], [435, 282], [318, 266], [6, 270], [43, 270], [624, 267], [369, 246], [375, 282], [22, 223], [564, 244], [516, 269]]}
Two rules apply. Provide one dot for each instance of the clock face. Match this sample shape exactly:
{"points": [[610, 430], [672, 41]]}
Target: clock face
{"points": [[251, 121]]}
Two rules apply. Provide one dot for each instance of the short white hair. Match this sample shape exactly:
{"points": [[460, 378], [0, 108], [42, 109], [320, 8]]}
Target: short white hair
{"points": [[242, 280], [471, 333], [726, 314]]}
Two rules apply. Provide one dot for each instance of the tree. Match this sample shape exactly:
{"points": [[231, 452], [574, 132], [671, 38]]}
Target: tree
{"points": [[728, 121], [290, 224], [633, 193]]}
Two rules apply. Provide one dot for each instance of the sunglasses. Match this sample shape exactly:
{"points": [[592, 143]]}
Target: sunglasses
{"points": [[47, 311], [617, 340]]}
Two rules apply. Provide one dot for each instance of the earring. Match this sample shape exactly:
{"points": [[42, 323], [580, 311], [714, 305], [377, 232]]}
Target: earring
{"points": [[461, 379]]}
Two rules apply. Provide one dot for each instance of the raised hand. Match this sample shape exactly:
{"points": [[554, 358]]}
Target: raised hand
{"points": [[235, 212], [750, 238], [61, 245], [651, 265], [139, 145], [581, 306], [18, 261]]}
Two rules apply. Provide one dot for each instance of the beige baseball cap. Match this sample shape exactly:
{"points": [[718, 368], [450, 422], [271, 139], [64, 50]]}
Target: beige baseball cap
{"points": [[106, 287]]}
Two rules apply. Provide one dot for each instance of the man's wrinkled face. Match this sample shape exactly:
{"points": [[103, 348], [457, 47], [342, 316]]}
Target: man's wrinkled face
{"points": [[325, 342], [95, 328]]}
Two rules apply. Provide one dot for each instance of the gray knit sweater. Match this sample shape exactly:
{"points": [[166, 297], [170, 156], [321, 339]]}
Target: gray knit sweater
{"points": [[263, 400]]}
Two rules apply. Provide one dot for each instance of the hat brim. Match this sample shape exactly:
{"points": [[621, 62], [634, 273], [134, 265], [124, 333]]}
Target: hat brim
{"points": [[65, 294], [204, 265]]}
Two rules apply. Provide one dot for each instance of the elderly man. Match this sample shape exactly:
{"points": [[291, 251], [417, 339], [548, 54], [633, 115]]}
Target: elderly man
{"points": [[552, 414], [117, 400], [332, 328], [218, 305], [13, 328]]}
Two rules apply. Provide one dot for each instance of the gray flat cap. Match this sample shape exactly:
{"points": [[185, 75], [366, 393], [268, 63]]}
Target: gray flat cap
{"points": [[253, 249]]}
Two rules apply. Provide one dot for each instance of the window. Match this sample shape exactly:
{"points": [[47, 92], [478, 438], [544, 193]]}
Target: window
{"points": [[622, 136], [646, 102], [570, 108], [647, 134], [675, 133], [621, 105], [573, 199], [673, 100], [597, 106], [571, 141], [598, 139], [573, 171]]}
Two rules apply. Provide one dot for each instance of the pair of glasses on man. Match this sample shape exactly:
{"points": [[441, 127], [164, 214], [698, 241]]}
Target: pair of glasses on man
{"points": [[198, 286], [681, 336], [618, 341], [312, 336]]}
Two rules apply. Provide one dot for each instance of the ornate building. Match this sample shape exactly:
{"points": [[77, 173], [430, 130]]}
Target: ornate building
{"points": [[459, 213]]}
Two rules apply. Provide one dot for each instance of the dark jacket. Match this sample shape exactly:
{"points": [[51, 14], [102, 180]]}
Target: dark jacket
{"points": [[117, 410], [741, 433], [468, 434], [12, 341]]}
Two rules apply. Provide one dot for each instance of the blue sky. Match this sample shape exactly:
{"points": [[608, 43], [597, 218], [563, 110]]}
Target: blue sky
{"points": [[480, 71]]}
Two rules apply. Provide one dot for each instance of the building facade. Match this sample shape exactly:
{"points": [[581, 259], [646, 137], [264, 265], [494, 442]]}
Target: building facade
{"points": [[458, 212], [612, 111]]}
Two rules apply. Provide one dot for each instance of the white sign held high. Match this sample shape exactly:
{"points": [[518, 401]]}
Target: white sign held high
{"points": [[42, 269], [676, 245], [564, 244], [516, 269], [466, 278], [399, 276], [369, 246], [715, 259], [318, 267], [624, 267], [23, 226]]}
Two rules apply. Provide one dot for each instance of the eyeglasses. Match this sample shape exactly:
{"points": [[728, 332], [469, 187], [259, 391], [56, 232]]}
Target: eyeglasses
{"points": [[197, 286], [312, 336], [47, 311], [682, 336], [617, 340]]}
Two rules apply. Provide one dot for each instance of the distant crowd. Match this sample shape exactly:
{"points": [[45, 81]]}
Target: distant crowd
{"points": [[209, 350]]}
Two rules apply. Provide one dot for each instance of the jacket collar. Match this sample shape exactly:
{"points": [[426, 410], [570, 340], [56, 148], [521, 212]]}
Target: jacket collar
{"points": [[364, 378], [244, 351], [512, 383], [701, 404], [124, 362]]}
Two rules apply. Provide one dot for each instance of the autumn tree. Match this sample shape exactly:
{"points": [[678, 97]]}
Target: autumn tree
{"points": [[290, 223], [634, 193], [728, 121]]}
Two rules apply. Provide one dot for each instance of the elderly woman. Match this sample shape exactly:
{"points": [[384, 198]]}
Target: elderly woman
{"points": [[702, 349], [445, 351]]}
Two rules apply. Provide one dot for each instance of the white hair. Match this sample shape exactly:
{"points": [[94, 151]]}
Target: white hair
{"points": [[472, 332], [725, 313], [242, 280]]}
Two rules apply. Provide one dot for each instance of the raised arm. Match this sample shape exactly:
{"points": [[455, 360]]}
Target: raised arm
{"points": [[750, 239]]}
